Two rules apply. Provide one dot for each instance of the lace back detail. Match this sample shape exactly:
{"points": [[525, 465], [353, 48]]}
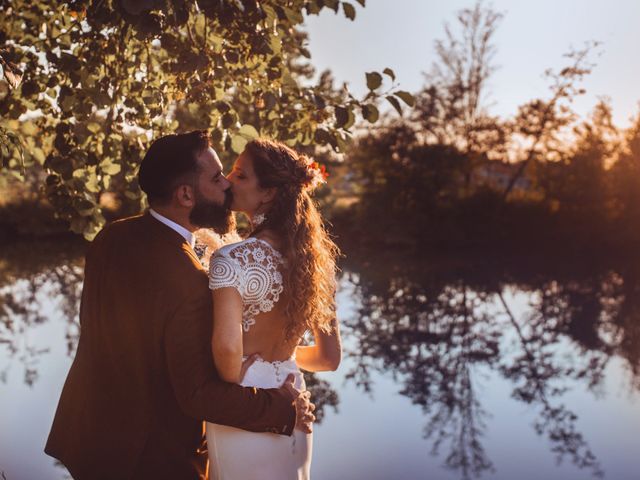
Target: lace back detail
{"points": [[252, 268]]}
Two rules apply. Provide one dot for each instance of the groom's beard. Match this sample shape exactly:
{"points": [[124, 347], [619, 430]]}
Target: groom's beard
{"points": [[208, 214]]}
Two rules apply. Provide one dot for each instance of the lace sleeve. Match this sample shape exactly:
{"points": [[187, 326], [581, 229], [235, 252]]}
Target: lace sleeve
{"points": [[224, 272], [251, 267]]}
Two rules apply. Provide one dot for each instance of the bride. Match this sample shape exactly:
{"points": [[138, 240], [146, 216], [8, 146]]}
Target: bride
{"points": [[268, 290]]}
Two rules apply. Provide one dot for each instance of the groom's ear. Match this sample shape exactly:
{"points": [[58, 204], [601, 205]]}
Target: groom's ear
{"points": [[184, 196]]}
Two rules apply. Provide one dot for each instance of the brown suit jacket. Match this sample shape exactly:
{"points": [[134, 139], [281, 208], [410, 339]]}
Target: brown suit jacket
{"points": [[143, 378]]}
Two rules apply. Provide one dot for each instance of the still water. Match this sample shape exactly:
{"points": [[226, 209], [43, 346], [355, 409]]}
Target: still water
{"points": [[455, 368]]}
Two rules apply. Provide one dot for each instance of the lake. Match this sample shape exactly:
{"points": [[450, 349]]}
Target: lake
{"points": [[456, 366]]}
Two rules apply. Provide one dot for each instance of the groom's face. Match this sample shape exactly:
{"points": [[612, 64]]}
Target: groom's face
{"points": [[212, 195]]}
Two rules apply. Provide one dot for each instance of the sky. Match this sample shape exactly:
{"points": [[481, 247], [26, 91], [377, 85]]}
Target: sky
{"points": [[532, 37]]}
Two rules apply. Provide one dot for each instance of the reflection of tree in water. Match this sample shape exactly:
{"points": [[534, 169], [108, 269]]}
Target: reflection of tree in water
{"points": [[322, 395], [33, 275], [538, 373], [437, 330], [624, 321], [432, 338]]}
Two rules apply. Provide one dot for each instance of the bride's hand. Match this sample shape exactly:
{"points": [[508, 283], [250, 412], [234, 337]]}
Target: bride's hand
{"points": [[304, 407], [246, 364]]}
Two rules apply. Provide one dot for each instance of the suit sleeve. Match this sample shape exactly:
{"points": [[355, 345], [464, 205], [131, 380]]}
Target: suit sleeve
{"points": [[200, 392]]}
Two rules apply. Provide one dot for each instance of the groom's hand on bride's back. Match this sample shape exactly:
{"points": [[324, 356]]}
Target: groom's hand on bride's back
{"points": [[304, 407]]}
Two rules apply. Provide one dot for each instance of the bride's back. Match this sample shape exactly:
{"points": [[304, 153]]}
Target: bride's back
{"points": [[267, 336], [255, 267]]}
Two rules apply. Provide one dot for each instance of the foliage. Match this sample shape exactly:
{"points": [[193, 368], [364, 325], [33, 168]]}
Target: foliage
{"points": [[541, 123], [86, 84], [452, 101], [450, 109], [625, 179], [403, 182]]}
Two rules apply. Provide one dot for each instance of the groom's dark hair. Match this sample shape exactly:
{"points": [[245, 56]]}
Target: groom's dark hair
{"points": [[169, 162]]}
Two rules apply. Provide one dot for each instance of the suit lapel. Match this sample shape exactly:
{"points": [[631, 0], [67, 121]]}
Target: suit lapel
{"points": [[193, 255], [166, 233]]}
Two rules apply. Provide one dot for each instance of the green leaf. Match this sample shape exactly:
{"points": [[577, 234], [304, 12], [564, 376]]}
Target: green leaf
{"points": [[271, 15], [67, 102], [29, 129], [276, 44], [396, 104], [370, 113], [342, 116], [85, 207], [94, 127], [406, 97], [200, 25], [390, 73], [92, 229], [38, 155], [78, 224], [351, 119], [374, 80], [11, 73], [90, 179], [340, 143], [110, 168], [333, 4], [349, 11], [228, 119], [322, 136], [313, 8], [248, 131], [238, 142], [60, 165], [294, 16]]}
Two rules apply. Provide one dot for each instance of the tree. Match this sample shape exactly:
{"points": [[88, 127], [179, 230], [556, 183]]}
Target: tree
{"points": [[404, 185], [451, 108], [86, 84], [625, 181], [541, 124]]}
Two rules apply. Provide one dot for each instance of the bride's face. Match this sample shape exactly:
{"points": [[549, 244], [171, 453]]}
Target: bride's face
{"points": [[248, 196]]}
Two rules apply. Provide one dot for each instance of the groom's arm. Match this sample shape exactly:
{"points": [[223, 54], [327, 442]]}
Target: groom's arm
{"points": [[201, 393]]}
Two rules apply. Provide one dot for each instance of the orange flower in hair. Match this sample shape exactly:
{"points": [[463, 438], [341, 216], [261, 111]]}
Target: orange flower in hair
{"points": [[317, 173]]}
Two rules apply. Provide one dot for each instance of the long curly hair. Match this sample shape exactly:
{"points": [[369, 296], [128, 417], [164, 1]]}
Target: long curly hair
{"points": [[310, 269]]}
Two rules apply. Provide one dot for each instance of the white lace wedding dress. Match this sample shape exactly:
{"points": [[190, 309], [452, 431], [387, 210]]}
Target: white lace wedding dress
{"points": [[253, 268]]}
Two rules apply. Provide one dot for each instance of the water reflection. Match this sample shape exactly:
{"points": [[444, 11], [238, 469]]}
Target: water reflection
{"points": [[440, 326], [32, 276], [435, 329]]}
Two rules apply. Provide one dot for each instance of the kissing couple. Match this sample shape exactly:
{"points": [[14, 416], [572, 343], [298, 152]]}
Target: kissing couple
{"points": [[178, 367]]}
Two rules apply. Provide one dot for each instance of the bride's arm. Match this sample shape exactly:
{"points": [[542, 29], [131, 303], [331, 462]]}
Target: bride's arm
{"points": [[325, 355], [226, 342]]}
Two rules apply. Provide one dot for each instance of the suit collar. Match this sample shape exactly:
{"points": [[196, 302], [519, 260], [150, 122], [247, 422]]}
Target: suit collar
{"points": [[163, 232], [186, 234]]}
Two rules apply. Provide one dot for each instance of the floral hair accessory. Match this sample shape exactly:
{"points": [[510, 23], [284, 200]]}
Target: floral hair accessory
{"points": [[317, 173]]}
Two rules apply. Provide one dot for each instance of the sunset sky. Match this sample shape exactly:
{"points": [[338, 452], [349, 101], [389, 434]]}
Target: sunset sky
{"points": [[531, 37]]}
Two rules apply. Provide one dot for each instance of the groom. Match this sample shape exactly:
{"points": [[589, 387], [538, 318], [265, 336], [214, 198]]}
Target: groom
{"points": [[143, 378]]}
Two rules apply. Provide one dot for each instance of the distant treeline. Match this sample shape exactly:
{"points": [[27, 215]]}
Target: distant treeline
{"points": [[449, 174], [412, 192]]}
